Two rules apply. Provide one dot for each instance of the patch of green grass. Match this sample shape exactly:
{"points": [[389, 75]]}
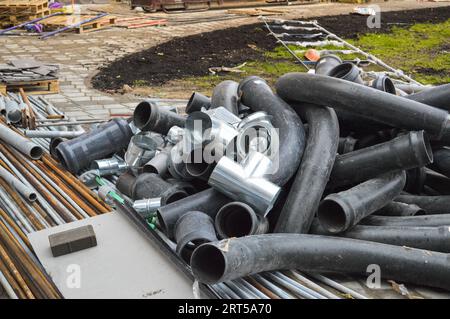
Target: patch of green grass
{"points": [[421, 50]]}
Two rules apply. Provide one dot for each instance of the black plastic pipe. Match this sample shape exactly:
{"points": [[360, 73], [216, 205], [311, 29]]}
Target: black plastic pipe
{"points": [[346, 71], [404, 152], [125, 183], [409, 221], [312, 177], [225, 94], [256, 94], [431, 204], [415, 180], [238, 257], [149, 117], [78, 153], [150, 185], [399, 209], [364, 101], [441, 162], [208, 201], [429, 238], [437, 182], [196, 102], [326, 63], [341, 211], [238, 219], [384, 83], [438, 96], [191, 230]]}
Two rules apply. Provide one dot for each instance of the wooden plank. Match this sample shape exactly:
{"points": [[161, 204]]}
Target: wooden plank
{"points": [[32, 87]]}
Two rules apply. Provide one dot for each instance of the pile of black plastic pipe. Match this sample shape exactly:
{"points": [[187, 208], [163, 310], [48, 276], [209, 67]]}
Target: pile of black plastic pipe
{"points": [[342, 173]]}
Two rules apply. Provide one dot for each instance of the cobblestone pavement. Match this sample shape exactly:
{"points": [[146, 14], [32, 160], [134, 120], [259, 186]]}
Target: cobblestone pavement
{"points": [[79, 56]]}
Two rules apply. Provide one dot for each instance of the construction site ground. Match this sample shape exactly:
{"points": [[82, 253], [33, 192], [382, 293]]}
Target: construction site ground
{"points": [[82, 56]]}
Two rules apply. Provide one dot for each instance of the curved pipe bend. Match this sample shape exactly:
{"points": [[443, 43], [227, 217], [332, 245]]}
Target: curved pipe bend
{"points": [[237, 257], [225, 94], [312, 177], [364, 101], [256, 94]]}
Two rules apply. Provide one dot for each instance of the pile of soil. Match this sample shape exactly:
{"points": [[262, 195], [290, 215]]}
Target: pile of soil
{"points": [[193, 55]]}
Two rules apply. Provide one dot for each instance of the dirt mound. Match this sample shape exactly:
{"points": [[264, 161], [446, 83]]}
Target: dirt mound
{"points": [[193, 55]]}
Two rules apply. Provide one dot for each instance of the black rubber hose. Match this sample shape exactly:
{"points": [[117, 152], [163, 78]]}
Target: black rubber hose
{"points": [[408, 221], [238, 219], [429, 238], [441, 162], [326, 63], [191, 230], [312, 177], [150, 185], [149, 117], [431, 204], [208, 201], [196, 102], [256, 94], [364, 101], [438, 96], [399, 209], [238, 257], [225, 94], [341, 211], [404, 152]]}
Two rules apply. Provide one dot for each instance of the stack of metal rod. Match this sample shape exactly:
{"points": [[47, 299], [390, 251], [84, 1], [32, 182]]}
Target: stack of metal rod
{"points": [[35, 193]]}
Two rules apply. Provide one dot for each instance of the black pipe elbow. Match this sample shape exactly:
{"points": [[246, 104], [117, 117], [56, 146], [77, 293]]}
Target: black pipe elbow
{"points": [[191, 230], [256, 94], [408, 221], [238, 219], [341, 211], [404, 152], [399, 209], [225, 94], [312, 177], [212, 263], [149, 117], [428, 238], [438, 96], [208, 201], [431, 204], [196, 102], [78, 153], [326, 63], [365, 102]]}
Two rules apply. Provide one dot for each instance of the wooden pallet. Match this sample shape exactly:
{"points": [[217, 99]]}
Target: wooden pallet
{"points": [[19, 7], [57, 22], [32, 87]]}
